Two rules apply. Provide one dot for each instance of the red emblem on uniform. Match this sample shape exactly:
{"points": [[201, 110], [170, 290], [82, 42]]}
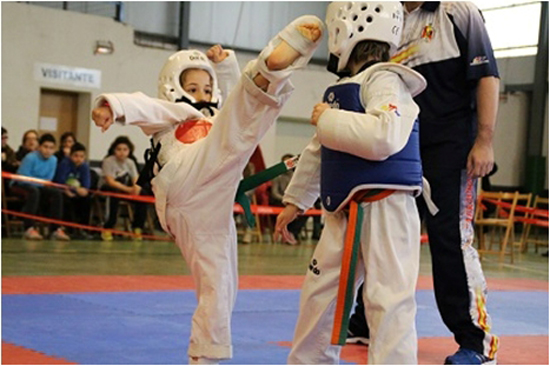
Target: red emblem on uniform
{"points": [[428, 32], [193, 130]]}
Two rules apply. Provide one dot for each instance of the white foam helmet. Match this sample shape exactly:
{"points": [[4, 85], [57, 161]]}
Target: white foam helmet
{"points": [[169, 85], [351, 22]]}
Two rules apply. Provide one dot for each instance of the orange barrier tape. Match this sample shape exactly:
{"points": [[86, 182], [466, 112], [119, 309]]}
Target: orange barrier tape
{"points": [[86, 227], [535, 211], [259, 209], [272, 210], [145, 199], [423, 238], [537, 222]]}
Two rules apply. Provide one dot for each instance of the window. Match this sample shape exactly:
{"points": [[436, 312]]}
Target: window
{"points": [[513, 26]]}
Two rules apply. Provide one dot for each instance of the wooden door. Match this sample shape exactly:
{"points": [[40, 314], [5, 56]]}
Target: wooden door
{"points": [[58, 112]]}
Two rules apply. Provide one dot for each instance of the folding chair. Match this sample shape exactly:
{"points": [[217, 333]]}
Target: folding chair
{"points": [[499, 226], [126, 211], [8, 220], [537, 223], [521, 216]]}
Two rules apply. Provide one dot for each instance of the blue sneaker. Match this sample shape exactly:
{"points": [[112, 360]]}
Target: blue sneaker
{"points": [[465, 356]]}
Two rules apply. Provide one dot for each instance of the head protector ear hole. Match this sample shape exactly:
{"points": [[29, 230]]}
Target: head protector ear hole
{"points": [[364, 7], [379, 8], [355, 17], [369, 19], [360, 29]]}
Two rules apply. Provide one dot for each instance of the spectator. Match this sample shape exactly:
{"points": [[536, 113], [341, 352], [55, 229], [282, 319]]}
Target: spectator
{"points": [[40, 164], [75, 172], [249, 170], [67, 141], [9, 161], [29, 143], [120, 175], [278, 186]]}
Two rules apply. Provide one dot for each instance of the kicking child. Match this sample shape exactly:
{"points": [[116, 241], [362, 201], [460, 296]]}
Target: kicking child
{"points": [[364, 160], [202, 160]]}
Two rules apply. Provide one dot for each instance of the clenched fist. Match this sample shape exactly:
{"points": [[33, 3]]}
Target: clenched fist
{"points": [[317, 111], [103, 117], [217, 54]]}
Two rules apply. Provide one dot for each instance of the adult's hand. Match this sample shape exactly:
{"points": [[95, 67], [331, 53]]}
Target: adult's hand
{"points": [[480, 160]]}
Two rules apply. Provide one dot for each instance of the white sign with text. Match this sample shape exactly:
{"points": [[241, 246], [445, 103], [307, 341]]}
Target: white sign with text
{"points": [[68, 75]]}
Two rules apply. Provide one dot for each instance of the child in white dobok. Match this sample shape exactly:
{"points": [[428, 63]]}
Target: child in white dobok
{"points": [[202, 160], [364, 161]]}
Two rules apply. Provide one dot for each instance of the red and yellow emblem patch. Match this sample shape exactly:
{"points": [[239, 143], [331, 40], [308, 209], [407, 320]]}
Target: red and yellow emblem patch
{"points": [[391, 108], [428, 33]]}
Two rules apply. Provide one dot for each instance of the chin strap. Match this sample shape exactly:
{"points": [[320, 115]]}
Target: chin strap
{"points": [[332, 66], [206, 108]]}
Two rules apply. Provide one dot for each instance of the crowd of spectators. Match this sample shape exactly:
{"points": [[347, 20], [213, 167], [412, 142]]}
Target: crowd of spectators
{"points": [[65, 163]]}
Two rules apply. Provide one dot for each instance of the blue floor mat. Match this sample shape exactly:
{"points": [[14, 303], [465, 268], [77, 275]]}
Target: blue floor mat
{"points": [[153, 327]]}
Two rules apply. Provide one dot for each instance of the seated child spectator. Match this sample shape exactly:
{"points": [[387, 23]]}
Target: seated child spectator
{"points": [[75, 172], [120, 175], [67, 140], [9, 161], [28, 144], [40, 164]]}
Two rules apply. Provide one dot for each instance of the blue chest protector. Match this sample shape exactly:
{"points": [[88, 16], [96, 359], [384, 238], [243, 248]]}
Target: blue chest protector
{"points": [[343, 173]]}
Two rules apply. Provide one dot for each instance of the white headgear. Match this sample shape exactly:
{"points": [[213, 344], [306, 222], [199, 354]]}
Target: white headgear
{"points": [[351, 22], [169, 84]]}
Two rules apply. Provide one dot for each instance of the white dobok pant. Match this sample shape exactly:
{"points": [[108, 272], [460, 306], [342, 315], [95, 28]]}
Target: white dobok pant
{"points": [[388, 261]]}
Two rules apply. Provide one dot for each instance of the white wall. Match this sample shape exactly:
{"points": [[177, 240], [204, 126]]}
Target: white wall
{"points": [[510, 136], [248, 24], [32, 34], [512, 122]]}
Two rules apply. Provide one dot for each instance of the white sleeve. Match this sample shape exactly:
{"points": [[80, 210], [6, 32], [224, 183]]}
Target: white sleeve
{"points": [[228, 74], [150, 114], [305, 186], [384, 128]]}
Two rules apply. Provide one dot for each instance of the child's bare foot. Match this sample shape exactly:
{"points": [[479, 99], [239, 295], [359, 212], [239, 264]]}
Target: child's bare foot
{"points": [[284, 55]]}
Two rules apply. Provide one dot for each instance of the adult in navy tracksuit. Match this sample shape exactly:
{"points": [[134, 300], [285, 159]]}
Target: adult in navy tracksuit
{"points": [[448, 44]]}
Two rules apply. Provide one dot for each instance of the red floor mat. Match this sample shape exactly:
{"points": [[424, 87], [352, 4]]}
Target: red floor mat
{"points": [[17, 355]]}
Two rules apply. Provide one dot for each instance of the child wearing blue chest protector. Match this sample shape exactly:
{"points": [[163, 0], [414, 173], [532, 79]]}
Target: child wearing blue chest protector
{"points": [[202, 152], [364, 161]]}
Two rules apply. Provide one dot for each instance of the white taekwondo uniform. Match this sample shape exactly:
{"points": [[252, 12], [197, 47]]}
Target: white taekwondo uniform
{"points": [[372, 130], [195, 189]]}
